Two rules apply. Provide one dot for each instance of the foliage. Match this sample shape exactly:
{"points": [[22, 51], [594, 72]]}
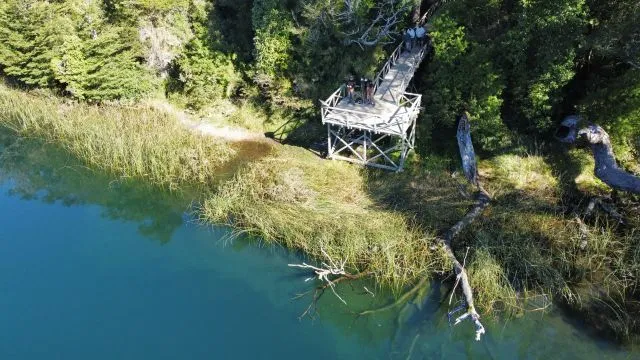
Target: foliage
{"points": [[204, 74], [68, 46], [507, 63], [614, 103], [273, 29], [462, 77]]}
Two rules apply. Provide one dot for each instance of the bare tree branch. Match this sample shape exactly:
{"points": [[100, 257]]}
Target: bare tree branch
{"points": [[324, 272], [382, 29]]}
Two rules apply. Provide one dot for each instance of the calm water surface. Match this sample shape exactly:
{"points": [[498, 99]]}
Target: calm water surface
{"points": [[96, 269]]}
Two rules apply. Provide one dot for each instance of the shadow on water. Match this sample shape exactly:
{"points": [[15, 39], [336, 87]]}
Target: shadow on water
{"points": [[49, 174]]}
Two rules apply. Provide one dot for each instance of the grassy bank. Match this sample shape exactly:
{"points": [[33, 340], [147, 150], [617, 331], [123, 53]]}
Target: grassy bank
{"points": [[534, 240], [311, 204], [127, 142]]}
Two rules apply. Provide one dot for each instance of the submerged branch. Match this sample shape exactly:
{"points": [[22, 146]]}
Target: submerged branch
{"points": [[323, 273], [401, 300], [327, 269]]}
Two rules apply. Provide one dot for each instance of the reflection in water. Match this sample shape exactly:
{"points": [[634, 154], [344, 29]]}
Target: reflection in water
{"points": [[46, 172], [190, 299]]}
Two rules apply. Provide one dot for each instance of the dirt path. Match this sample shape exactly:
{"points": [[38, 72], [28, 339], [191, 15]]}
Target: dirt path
{"points": [[228, 133]]}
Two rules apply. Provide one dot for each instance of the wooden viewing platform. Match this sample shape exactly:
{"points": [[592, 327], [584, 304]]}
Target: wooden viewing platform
{"points": [[381, 135]]}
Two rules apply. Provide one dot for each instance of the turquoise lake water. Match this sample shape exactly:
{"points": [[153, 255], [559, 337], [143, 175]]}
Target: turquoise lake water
{"points": [[92, 268]]}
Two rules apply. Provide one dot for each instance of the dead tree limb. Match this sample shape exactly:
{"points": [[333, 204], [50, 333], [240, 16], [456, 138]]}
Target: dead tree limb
{"points": [[323, 273], [606, 166], [380, 30], [467, 153], [483, 199]]}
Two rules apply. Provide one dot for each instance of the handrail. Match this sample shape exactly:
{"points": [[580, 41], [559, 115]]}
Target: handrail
{"points": [[414, 64], [413, 102], [387, 66], [335, 95], [353, 112], [430, 11]]}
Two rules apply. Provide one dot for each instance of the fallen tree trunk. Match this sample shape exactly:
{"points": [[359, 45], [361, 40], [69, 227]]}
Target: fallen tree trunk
{"points": [[483, 199], [606, 168]]}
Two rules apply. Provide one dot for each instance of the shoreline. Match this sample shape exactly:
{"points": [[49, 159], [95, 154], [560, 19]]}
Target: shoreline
{"points": [[379, 222]]}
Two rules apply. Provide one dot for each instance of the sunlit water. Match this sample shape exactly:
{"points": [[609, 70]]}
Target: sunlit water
{"points": [[96, 269]]}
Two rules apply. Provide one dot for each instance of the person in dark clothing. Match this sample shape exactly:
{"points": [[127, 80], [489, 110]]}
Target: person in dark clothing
{"points": [[351, 87], [369, 92], [363, 89]]}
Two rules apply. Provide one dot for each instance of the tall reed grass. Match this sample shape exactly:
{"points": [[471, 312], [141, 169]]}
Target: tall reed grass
{"points": [[126, 141], [310, 204]]}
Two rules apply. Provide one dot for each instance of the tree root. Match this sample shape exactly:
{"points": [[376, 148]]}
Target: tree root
{"points": [[608, 208]]}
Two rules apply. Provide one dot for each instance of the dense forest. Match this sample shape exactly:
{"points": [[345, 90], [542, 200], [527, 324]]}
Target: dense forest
{"points": [[515, 68], [518, 67]]}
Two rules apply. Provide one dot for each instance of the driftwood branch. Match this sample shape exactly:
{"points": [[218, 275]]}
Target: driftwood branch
{"points": [[323, 273], [329, 273], [606, 167], [483, 199]]}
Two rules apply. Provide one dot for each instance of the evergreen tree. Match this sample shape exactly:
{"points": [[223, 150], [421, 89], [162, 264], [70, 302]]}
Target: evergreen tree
{"points": [[68, 46], [204, 73], [32, 33]]}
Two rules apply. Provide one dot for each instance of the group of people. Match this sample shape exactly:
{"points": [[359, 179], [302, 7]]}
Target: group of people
{"points": [[367, 88], [414, 36]]}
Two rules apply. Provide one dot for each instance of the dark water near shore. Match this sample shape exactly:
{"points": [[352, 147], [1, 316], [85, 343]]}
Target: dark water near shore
{"points": [[92, 268]]}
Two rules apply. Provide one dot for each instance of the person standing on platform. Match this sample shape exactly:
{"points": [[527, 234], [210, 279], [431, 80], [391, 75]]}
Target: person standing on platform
{"points": [[420, 33], [363, 90], [412, 37], [369, 92], [407, 40], [351, 87]]}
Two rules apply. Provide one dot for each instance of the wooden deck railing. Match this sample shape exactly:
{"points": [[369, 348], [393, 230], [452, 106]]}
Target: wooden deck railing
{"points": [[407, 110], [387, 66], [403, 85]]}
